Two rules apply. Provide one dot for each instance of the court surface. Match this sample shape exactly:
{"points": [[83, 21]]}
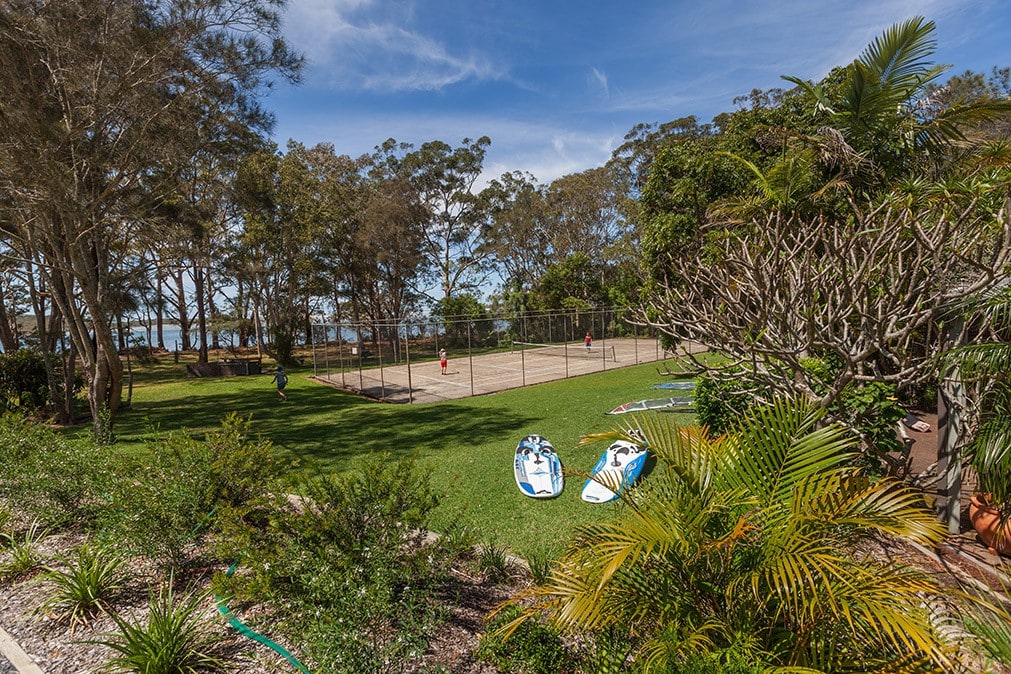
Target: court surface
{"points": [[488, 373]]}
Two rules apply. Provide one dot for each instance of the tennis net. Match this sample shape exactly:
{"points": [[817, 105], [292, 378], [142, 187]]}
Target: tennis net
{"points": [[577, 350]]}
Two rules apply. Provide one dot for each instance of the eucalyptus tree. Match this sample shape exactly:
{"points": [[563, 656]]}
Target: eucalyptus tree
{"points": [[282, 222], [97, 96], [445, 178], [516, 231], [582, 214], [388, 246]]}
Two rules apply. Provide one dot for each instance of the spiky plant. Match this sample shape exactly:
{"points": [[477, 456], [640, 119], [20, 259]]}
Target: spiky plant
{"points": [[91, 577], [22, 557], [173, 640]]}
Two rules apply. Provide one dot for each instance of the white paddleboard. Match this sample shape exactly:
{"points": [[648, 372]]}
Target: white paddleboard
{"points": [[537, 468], [654, 404], [616, 470]]}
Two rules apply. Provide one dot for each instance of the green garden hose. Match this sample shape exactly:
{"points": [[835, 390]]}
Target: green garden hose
{"points": [[244, 630]]}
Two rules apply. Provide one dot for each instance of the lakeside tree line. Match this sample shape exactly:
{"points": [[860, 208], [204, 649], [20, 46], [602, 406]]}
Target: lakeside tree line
{"points": [[835, 220]]}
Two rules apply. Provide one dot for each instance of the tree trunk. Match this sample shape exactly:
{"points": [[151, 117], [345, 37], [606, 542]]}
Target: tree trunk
{"points": [[198, 292], [184, 319], [9, 341], [160, 305], [66, 409]]}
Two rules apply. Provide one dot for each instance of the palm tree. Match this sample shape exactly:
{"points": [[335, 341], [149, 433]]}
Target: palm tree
{"points": [[883, 108], [741, 553]]}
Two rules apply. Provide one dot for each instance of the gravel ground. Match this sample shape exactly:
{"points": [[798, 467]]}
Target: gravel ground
{"points": [[58, 649]]}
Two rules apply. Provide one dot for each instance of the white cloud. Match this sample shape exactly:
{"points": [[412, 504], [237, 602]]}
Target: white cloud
{"points": [[546, 151], [352, 44], [600, 78]]}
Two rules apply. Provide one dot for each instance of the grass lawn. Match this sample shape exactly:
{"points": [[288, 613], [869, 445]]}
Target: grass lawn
{"points": [[468, 443]]}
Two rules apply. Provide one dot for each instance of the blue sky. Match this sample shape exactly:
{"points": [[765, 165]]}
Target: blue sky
{"points": [[557, 84]]}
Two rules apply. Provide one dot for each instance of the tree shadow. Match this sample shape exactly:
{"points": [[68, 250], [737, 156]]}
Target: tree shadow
{"points": [[325, 427]]}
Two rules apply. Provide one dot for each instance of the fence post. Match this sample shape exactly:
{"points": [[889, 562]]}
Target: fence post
{"points": [[407, 354], [603, 340], [379, 343], [470, 359], [523, 368]]}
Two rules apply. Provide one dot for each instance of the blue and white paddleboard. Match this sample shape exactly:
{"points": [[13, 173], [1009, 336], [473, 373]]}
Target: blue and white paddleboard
{"points": [[617, 469], [538, 468], [675, 386]]}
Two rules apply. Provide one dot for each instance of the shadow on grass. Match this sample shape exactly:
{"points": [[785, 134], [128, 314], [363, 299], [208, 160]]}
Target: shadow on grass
{"points": [[325, 427]]}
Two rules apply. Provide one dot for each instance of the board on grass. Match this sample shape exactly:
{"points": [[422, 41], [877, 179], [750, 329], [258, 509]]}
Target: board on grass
{"points": [[654, 404], [616, 470], [675, 386], [537, 467]]}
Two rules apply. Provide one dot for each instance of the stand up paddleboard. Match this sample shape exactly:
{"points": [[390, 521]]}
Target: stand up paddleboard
{"points": [[616, 470], [538, 468], [675, 386], [655, 404]]}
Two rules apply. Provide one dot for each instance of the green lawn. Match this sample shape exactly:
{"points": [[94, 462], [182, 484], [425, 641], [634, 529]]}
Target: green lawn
{"points": [[469, 443]]}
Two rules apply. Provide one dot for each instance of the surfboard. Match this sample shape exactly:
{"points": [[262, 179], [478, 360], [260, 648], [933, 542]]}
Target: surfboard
{"points": [[537, 467], [616, 470], [675, 386], [654, 404]]}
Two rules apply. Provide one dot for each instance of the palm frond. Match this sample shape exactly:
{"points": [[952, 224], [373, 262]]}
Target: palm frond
{"points": [[899, 58], [777, 446], [816, 91], [980, 360]]}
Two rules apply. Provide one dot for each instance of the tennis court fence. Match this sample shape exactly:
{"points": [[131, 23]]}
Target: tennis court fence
{"points": [[394, 360]]}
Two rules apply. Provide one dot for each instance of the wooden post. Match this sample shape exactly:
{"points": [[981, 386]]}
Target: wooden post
{"points": [[950, 403]]}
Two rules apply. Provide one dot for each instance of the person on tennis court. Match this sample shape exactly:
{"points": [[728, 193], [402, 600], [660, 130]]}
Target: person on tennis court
{"points": [[588, 340], [443, 362]]}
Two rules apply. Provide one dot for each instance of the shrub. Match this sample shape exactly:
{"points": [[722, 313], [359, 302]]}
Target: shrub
{"points": [[93, 576], [533, 647], [242, 470], [174, 639], [720, 403], [351, 564], [24, 382], [161, 501], [872, 409], [459, 539], [54, 479], [493, 562], [176, 493], [540, 568]]}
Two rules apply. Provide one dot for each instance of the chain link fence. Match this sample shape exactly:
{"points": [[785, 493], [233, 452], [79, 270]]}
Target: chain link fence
{"points": [[373, 358]]}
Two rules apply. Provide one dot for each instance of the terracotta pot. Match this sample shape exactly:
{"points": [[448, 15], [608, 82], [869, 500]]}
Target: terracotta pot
{"points": [[987, 522]]}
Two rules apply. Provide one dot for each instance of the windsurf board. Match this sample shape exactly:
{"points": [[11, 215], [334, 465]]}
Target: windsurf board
{"points": [[675, 386], [616, 470], [654, 404], [537, 468]]}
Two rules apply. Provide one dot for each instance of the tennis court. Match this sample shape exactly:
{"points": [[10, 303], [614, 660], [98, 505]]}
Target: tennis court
{"points": [[522, 365]]}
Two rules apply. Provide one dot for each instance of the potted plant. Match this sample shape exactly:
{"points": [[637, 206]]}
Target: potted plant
{"points": [[988, 451], [990, 456]]}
